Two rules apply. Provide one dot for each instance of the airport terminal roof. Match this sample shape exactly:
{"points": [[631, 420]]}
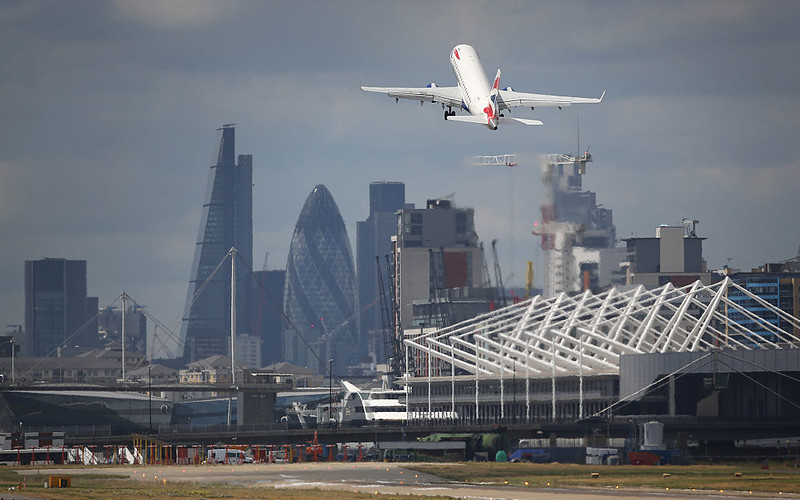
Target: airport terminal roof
{"points": [[587, 333]]}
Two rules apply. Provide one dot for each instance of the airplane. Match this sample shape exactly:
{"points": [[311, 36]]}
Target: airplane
{"points": [[473, 94]]}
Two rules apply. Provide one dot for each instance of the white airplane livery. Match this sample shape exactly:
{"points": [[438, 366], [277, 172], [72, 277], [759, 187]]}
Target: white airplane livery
{"points": [[473, 94]]}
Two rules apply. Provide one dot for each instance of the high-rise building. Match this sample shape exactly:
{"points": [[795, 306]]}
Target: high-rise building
{"points": [[57, 311], [248, 351], [674, 256], [774, 284], [268, 314], [320, 300], [110, 330], [227, 222], [374, 240], [578, 235], [436, 249]]}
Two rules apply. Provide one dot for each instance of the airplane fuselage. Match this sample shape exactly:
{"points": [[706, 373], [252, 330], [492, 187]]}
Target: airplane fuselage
{"points": [[472, 82]]}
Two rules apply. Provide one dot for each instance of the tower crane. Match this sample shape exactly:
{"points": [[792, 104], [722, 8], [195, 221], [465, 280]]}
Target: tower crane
{"points": [[507, 160], [498, 276]]}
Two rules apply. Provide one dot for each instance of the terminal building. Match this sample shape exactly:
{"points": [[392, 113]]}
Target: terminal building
{"points": [[566, 358]]}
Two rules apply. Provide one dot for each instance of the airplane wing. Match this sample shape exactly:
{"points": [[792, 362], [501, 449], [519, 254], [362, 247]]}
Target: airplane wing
{"points": [[449, 96], [513, 99]]}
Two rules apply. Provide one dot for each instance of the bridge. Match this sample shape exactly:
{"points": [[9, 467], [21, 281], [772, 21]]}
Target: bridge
{"points": [[145, 387], [621, 427]]}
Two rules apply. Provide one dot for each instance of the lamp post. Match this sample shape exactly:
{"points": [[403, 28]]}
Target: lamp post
{"points": [[150, 395], [13, 374], [330, 390]]}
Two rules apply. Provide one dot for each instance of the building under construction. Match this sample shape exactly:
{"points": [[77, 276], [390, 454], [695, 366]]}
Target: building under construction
{"points": [[578, 235]]}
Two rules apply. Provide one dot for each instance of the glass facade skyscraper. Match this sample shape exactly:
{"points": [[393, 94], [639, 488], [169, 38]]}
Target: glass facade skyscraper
{"points": [[268, 314], [320, 297], [57, 309], [374, 239], [227, 222]]}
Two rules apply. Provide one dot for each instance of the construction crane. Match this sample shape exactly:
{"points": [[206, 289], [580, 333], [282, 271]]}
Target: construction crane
{"points": [[507, 160], [487, 280], [529, 280], [498, 276], [393, 328]]}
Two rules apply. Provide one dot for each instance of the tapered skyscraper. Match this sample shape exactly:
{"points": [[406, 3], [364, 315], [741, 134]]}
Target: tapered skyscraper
{"points": [[227, 222], [320, 299]]}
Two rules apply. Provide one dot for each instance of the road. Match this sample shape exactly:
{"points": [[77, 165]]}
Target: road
{"points": [[368, 477]]}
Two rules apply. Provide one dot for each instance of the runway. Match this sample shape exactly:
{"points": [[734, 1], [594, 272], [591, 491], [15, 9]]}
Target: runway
{"points": [[369, 477]]}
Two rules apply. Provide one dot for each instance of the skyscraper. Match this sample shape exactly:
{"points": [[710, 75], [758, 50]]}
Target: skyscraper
{"points": [[57, 311], [320, 299], [374, 239], [227, 222], [268, 314], [578, 235]]}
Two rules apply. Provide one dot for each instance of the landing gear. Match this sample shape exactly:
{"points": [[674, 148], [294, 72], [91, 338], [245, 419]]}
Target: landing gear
{"points": [[449, 112]]}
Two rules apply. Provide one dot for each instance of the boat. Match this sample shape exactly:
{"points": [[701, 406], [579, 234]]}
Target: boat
{"points": [[372, 406]]}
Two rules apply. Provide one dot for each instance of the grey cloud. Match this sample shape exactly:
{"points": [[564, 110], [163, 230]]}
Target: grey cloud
{"points": [[108, 111]]}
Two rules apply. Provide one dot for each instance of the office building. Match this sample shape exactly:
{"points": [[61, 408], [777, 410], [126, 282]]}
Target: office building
{"points": [[674, 256], [435, 249], [320, 301], [110, 327], [373, 245], [248, 351], [57, 311], [227, 222], [268, 314], [769, 297]]}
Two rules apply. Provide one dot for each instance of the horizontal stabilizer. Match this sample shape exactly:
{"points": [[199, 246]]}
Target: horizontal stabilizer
{"points": [[507, 120], [467, 118]]}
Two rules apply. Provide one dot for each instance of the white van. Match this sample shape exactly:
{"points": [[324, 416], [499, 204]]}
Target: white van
{"points": [[234, 456]]}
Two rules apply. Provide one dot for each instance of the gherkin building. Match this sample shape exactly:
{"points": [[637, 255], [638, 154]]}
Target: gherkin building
{"points": [[320, 299]]}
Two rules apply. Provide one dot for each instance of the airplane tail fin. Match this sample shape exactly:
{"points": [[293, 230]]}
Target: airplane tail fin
{"points": [[496, 84], [495, 92], [492, 113]]}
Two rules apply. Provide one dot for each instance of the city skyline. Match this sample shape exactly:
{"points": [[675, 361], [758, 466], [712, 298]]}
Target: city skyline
{"points": [[108, 110]]}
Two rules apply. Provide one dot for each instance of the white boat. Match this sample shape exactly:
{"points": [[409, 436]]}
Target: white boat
{"points": [[368, 406]]}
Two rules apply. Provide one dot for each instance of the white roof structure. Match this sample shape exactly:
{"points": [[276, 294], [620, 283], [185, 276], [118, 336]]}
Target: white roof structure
{"points": [[586, 334]]}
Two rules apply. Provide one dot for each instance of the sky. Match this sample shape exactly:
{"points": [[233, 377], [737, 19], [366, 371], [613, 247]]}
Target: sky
{"points": [[109, 111]]}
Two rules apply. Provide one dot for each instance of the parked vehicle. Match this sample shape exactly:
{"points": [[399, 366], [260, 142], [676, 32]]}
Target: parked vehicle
{"points": [[229, 456]]}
